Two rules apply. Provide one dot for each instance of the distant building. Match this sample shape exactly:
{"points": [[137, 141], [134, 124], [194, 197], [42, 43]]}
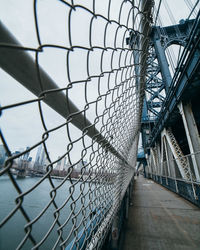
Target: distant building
{"points": [[58, 164], [3, 155], [16, 153], [61, 164], [26, 155], [40, 159], [67, 165], [78, 166], [46, 162], [17, 160], [86, 167], [37, 159]]}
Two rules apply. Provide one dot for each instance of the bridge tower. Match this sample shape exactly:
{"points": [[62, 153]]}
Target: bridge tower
{"points": [[170, 119]]}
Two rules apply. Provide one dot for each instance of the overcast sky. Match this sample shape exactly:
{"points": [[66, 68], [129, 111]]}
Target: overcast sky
{"points": [[22, 126]]}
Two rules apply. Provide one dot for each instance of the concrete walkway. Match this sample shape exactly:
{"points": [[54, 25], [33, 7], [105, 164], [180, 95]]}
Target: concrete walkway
{"points": [[159, 219]]}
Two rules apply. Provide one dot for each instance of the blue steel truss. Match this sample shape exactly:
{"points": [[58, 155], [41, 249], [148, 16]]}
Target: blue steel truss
{"points": [[163, 92]]}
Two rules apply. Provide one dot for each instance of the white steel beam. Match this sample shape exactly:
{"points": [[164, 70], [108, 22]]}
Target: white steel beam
{"points": [[174, 152], [192, 136]]}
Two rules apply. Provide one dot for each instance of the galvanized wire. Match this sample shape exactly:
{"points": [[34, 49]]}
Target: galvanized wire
{"points": [[107, 140]]}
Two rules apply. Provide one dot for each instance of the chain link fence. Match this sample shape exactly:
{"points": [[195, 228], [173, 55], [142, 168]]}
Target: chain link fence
{"points": [[64, 189]]}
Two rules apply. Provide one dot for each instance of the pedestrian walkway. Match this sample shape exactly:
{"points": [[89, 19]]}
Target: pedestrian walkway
{"points": [[160, 219]]}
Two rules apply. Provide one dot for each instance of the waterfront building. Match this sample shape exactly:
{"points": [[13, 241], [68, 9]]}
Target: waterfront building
{"points": [[67, 165], [3, 155], [61, 164], [58, 164], [26, 155], [40, 159]]}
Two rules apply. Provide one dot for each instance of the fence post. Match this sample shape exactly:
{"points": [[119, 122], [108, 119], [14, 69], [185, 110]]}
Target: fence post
{"points": [[191, 179], [127, 202], [176, 184], [115, 233]]}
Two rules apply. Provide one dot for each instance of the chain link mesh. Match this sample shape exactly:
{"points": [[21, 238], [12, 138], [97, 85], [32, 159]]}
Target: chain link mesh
{"points": [[100, 133]]}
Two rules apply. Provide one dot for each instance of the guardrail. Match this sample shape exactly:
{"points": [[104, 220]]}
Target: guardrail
{"points": [[187, 188]]}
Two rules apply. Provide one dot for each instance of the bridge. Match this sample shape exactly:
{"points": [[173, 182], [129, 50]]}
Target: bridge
{"points": [[111, 88]]}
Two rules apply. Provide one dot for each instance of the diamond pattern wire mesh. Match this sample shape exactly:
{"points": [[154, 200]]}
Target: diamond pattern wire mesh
{"points": [[100, 132]]}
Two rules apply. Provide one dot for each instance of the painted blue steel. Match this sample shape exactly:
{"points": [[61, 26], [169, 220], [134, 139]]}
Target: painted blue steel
{"points": [[85, 234], [177, 33], [162, 109], [187, 69], [162, 60], [144, 111]]}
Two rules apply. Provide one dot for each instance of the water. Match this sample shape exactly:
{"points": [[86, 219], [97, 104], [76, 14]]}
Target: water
{"points": [[12, 232]]}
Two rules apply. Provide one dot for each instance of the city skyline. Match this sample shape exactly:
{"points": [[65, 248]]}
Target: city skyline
{"points": [[24, 165], [40, 158]]}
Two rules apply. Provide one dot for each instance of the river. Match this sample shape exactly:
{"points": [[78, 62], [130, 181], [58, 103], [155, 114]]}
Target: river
{"points": [[12, 232]]}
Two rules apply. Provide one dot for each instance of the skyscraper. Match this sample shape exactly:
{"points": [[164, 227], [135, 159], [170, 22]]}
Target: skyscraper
{"points": [[37, 159], [40, 159], [61, 164], [2, 155], [26, 155]]}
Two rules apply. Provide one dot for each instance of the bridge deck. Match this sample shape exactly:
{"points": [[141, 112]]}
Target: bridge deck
{"points": [[160, 219]]}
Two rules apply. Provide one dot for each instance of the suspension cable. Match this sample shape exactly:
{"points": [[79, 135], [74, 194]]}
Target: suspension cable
{"points": [[193, 10], [158, 10]]}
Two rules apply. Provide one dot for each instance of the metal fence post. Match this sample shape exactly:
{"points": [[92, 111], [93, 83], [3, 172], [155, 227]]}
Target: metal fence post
{"points": [[191, 179], [115, 233]]}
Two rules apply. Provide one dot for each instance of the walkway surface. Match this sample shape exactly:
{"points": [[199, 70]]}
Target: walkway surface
{"points": [[160, 219]]}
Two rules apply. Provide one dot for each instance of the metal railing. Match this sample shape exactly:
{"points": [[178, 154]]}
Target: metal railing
{"points": [[171, 177], [70, 197]]}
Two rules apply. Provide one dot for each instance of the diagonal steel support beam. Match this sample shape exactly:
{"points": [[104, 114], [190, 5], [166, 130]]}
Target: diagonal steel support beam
{"points": [[192, 135]]}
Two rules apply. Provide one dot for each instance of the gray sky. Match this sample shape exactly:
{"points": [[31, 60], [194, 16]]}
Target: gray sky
{"points": [[22, 126]]}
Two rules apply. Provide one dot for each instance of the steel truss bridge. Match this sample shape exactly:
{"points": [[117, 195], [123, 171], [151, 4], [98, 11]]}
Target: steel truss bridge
{"points": [[119, 82], [171, 138]]}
